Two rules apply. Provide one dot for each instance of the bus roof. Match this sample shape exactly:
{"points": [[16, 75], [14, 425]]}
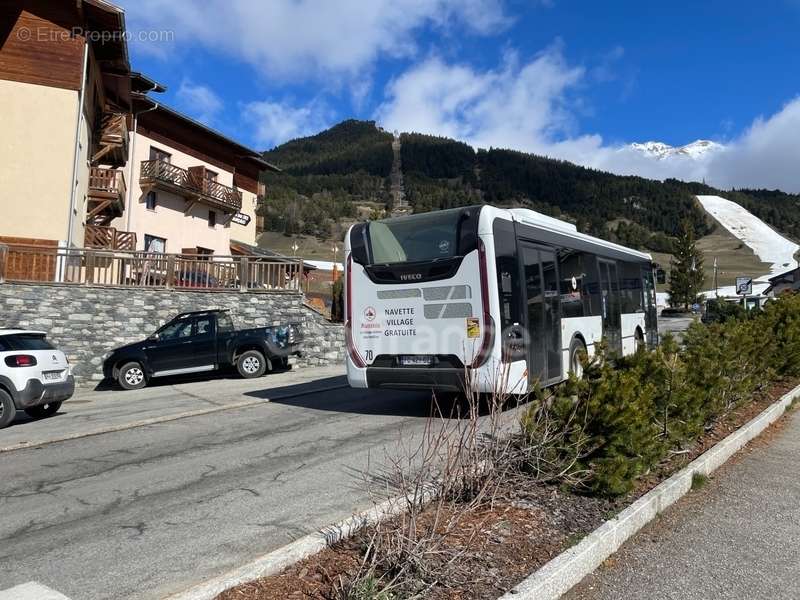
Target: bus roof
{"points": [[562, 232]]}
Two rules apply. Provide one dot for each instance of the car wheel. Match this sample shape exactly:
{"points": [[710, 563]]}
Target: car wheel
{"points": [[131, 376], [7, 409], [43, 410], [577, 352], [251, 364]]}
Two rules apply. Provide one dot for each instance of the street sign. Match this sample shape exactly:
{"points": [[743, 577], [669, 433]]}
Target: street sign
{"points": [[744, 286]]}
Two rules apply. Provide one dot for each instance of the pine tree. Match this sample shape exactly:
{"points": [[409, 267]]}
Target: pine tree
{"points": [[686, 276]]}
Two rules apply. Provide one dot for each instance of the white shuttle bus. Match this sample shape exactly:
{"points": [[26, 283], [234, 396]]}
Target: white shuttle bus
{"points": [[490, 298]]}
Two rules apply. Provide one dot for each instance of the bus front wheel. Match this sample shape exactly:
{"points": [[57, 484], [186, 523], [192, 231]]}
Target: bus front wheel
{"points": [[577, 354]]}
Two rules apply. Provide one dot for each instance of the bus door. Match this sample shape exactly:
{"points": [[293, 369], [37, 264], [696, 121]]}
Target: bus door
{"points": [[543, 313], [650, 308], [610, 304]]}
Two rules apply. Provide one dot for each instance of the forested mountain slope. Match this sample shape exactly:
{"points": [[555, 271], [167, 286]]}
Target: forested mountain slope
{"points": [[328, 176]]}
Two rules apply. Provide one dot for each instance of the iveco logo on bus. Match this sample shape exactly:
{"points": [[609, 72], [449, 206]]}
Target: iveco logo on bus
{"points": [[410, 276]]}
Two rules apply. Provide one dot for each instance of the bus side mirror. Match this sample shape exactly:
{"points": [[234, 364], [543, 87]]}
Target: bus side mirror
{"points": [[661, 276]]}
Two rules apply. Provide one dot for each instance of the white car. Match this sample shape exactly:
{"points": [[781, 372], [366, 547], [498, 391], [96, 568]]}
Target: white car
{"points": [[34, 376]]}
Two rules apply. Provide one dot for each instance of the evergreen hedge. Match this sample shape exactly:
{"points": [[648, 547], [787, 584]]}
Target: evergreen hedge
{"points": [[625, 415]]}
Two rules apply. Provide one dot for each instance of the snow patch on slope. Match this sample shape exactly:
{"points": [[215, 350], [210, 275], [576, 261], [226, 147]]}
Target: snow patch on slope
{"points": [[770, 246]]}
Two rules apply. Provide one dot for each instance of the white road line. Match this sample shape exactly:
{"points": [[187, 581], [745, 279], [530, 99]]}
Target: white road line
{"points": [[31, 591], [156, 420]]}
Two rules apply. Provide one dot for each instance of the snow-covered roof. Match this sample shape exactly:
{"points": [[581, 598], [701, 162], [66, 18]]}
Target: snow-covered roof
{"points": [[324, 265]]}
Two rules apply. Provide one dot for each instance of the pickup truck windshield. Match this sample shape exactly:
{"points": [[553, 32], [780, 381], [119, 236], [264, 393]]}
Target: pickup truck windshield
{"points": [[415, 238]]}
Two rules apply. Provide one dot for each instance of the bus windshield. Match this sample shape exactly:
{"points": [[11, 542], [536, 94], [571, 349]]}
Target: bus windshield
{"points": [[416, 238]]}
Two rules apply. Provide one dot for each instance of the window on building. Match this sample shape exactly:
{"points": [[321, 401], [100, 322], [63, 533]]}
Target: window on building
{"points": [[156, 154], [154, 243], [212, 218], [150, 200], [211, 175], [204, 253]]}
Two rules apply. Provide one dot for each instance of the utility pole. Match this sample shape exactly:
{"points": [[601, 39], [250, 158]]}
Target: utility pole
{"points": [[335, 250], [716, 286]]}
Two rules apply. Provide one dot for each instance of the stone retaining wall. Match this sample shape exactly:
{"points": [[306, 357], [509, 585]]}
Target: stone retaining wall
{"points": [[86, 322]]}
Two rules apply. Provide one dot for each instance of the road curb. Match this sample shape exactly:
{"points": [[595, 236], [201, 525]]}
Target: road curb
{"points": [[277, 560], [568, 568], [164, 419]]}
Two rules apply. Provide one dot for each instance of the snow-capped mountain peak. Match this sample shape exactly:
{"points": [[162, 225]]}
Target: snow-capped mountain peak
{"points": [[695, 150]]}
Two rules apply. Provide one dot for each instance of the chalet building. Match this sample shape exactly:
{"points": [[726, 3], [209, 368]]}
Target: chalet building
{"points": [[90, 159], [193, 190], [65, 102], [783, 283]]}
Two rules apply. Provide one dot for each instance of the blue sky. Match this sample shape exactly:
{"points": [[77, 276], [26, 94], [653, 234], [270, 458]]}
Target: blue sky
{"points": [[564, 78]]}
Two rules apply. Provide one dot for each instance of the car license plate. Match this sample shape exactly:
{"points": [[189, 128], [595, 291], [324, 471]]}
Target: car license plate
{"points": [[52, 375], [416, 360]]}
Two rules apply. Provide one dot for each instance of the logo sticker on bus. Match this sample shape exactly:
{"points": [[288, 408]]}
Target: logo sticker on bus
{"points": [[369, 313], [473, 327]]}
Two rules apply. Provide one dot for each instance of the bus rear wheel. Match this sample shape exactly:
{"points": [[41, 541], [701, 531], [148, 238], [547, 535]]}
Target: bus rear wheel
{"points": [[577, 354]]}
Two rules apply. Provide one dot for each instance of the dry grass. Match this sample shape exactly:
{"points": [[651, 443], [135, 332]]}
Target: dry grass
{"points": [[733, 258]]}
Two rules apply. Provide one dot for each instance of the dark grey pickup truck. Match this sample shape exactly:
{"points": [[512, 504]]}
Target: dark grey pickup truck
{"points": [[200, 341]]}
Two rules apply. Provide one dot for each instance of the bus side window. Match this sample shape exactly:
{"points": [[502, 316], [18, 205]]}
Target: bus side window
{"points": [[592, 298], [631, 281], [508, 288], [570, 264]]}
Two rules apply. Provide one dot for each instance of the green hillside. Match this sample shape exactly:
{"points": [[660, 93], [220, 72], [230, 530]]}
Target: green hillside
{"points": [[343, 174]]}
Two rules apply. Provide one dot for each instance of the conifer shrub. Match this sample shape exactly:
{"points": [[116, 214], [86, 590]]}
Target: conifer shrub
{"points": [[626, 414]]}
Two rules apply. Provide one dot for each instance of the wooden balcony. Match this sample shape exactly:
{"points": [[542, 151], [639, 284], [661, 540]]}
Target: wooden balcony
{"points": [[106, 195], [112, 144], [109, 238], [190, 183]]}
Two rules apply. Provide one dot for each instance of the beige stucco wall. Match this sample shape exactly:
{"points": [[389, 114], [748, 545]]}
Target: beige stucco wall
{"points": [[241, 233], [168, 219], [37, 134], [82, 182]]}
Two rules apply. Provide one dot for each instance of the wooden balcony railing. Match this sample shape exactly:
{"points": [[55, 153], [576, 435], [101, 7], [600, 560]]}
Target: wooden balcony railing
{"points": [[107, 191], [109, 238], [190, 183], [112, 144], [196, 272]]}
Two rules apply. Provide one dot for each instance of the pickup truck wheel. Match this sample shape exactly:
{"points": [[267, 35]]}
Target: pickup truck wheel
{"points": [[131, 376], [7, 409], [43, 410], [251, 364]]}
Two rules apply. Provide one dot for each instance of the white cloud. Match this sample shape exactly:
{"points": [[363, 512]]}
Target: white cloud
{"points": [[764, 156], [532, 106], [275, 122], [296, 40], [521, 106], [199, 101]]}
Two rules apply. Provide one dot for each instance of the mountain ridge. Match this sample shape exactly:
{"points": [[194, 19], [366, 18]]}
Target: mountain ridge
{"points": [[694, 150]]}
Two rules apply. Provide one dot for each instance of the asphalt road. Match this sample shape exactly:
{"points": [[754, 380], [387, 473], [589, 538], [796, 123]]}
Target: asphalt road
{"points": [[736, 538], [675, 325], [150, 510]]}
